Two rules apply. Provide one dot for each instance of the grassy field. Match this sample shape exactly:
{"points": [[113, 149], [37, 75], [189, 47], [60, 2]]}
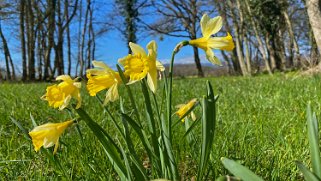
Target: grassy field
{"points": [[261, 123]]}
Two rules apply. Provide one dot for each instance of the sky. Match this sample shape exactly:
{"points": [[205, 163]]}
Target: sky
{"points": [[111, 46]]}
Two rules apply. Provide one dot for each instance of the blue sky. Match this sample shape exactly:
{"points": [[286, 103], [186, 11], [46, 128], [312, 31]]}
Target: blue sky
{"points": [[109, 47]]}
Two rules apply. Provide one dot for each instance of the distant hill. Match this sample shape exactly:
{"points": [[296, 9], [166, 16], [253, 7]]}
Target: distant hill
{"points": [[189, 70]]}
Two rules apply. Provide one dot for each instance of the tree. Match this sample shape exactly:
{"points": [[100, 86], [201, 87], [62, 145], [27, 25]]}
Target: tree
{"points": [[180, 19], [314, 13]]}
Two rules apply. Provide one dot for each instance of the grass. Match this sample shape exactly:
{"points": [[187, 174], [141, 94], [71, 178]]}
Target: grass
{"points": [[261, 124]]}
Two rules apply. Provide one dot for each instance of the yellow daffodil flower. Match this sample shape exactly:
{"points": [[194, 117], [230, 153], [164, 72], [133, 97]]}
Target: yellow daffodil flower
{"points": [[59, 95], [102, 77], [48, 135], [207, 42], [140, 64], [184, 108]]}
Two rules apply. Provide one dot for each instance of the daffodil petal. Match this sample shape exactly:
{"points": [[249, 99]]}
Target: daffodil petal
{"points": [[211, 57], [152, 81], [136, 49], [77, 84], [204, 20], [160, 66], [193, 116], [122, 61], [101, 64], [112, 94], [222, 43], [212, 26], [152, 50], [66, 78], [56, 146], [65, 103]]}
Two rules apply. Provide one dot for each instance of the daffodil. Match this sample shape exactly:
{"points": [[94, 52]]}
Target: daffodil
{"points": [[102, 77], [207, 42], [141, 64], [184, 108], [59, 95], [48, 134]]}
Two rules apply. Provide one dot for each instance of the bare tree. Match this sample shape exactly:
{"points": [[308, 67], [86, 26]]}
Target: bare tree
{"points": [[9, 75]]}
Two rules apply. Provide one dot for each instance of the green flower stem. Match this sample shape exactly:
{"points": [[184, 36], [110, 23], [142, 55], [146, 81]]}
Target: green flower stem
{"points": [[169, 88], [168, 130], [132, 100]]}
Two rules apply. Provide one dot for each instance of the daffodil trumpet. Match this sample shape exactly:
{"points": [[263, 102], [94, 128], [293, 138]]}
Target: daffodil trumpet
{"points": [[48, 134], [59, 95], [186, 110], [102, 77], [140, 64]]}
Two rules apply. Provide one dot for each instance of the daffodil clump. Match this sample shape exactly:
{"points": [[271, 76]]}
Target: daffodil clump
{"points": [[153, 130]]}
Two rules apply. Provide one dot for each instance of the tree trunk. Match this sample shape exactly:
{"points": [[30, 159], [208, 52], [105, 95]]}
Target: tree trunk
{"points": [[197, 60], [23, 40], [237, 34], [50, 29], [59, 62], [10, 74], [261, 47], [4, 42], [83, 37], [270, 52], [247, 55], [222, 10], [293, 42], [314, 13], [31, 41], [68, 38]]}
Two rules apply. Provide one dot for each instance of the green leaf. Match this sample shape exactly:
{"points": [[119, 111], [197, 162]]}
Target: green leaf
{"points": [[313, 136], [107, 142], [139, 171], [208, 128], [308, 175], [240, 171]]}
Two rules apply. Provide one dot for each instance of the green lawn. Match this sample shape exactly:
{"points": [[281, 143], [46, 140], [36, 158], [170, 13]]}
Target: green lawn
{"points": [[261, 123]]}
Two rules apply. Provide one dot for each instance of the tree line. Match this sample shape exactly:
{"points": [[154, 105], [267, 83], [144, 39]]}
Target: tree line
{"points": [[269, 35]]}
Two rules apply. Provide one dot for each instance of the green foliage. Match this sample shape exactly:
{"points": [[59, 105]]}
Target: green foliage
{"points": [[269, 14], [313, 136], [260, 120]]}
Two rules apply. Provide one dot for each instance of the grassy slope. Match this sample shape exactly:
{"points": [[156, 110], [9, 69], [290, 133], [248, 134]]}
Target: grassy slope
{"points": [[261, 123]]}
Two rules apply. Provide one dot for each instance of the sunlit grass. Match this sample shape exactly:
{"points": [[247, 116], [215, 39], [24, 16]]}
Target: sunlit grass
{"points": [[261, 122]]}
